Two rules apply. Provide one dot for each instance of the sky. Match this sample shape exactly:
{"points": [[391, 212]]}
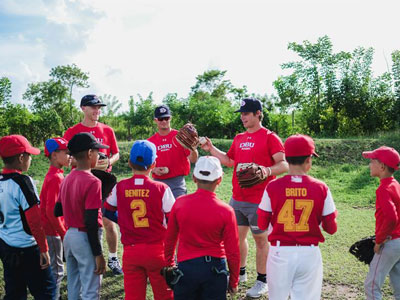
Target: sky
{"points": [[132, 47]]}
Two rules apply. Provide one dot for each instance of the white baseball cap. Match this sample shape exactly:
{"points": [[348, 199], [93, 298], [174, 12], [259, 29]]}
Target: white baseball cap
{"points": [[208, 168]]}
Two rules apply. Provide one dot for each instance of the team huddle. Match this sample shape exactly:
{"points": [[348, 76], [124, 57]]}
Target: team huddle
{"points": [[188, 246]]}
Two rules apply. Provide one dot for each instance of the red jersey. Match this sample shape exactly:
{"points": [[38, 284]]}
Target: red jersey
{"points": [[142, 205], [53, 226], [204, 226], [79, 191], [387, 212], [257, 147], [170, 154], [104, 134], [298, 204]]}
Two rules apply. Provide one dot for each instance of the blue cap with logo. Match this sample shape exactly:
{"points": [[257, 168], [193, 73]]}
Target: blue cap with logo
{"points": [[250, 105], [143, 153], [162, 111]]}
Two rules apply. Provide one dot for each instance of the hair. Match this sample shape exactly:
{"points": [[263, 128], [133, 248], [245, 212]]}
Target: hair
{"points": [[137, 167], [11, 159], [296, 160], [391, 170], [202, 181], [80, 155], [261, 116]]}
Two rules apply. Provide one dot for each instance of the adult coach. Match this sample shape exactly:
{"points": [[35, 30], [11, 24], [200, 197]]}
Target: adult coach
{"points": [[263, 147], [173, 161], [91, 107]]}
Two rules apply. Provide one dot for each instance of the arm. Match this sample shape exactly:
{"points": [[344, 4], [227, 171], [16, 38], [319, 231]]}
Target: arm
{"points": [[329, 223], [390, 216], [231, 245], [193, 156], [114, 158], [33, 218], [280, 166], [171, 239], [92, 227], [51, 197], [214, 151]]}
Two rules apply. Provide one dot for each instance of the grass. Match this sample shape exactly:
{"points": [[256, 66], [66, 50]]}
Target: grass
{"points": [[344, 170]]}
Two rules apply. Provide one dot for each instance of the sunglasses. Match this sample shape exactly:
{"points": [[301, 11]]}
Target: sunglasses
{"points": [[163, 119]]}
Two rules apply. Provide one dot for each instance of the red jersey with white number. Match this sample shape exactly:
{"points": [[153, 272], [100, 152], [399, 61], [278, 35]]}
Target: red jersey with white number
{"points": [[170, 154], [298, 205], [257, 147], [142, 205]]}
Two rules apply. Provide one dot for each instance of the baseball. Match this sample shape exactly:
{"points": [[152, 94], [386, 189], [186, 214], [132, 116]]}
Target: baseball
{"points": [[202, 140], [165, 170]]}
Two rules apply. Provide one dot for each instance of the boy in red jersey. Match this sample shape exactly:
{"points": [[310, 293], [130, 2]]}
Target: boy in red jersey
{"points": [[296, 205], [57, 152], [207, 232], [143, 206], [384, 162]]}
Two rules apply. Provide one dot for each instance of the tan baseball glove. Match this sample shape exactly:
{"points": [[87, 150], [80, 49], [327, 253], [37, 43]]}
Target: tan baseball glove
{"points": [[251, 174], [187, 136]]}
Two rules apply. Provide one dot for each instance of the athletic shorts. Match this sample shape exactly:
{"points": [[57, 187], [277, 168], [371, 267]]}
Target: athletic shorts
{"points": [[176, 184], [246, 215]]}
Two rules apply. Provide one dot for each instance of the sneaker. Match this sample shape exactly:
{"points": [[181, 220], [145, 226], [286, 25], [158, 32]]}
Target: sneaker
{"points": [[259, 288], [114, 265], [243, 278]]}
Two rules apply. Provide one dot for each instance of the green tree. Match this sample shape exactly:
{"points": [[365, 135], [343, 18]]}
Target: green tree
{"points": [[5, 90]]}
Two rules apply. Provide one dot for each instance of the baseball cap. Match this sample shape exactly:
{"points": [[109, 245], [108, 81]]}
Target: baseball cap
{"points": [[387, 155], [91, 100], [143, 153], [162, 111], [250, 105], [299, 145], [84, 141], [53, 144], [11, 145], [208, 168]]}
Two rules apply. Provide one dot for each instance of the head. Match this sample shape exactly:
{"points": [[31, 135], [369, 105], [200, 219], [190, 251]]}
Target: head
{"points": [[162, 117], [384, 161], [143, 156], [84, 147], [250, 112], [299, 150], [57, 151], [15, 150], [91, 106], [207, 173]]}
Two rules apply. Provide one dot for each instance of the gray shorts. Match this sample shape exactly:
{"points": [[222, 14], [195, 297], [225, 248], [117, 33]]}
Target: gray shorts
{"points": [[246, 215], [176, 184]]}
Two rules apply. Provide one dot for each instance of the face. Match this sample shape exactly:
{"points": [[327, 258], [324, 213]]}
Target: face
{"points": [[249, 119], [25, 160], [63, 158], [375, 167], [163, 123], [94, 157], [91, 113]]}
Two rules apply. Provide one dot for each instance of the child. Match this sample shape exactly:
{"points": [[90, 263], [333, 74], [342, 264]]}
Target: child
{"points": [[57, 152], [80, 203], [384, 161], [208, 237], [23, 246], [142, 205], [296, 205]]}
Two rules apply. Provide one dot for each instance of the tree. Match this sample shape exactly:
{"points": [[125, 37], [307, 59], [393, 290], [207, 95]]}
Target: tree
{"points": [[5, 90], [113, 105]]}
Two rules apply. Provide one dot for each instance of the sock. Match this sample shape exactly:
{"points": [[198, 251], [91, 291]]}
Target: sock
{"points": [[262, 277], [242, 270], [111, 255]]}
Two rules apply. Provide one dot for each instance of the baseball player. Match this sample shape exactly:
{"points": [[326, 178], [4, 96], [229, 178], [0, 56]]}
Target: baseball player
{"points": [[296, 205], [263, 147], [143, 206], [91, 107], [384, 162], [173, 161]]}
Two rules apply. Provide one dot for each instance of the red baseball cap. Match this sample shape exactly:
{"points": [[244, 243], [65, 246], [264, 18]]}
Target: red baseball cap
{"points": [[11, 145], [299, 145], [57, 143], [387, 155]]}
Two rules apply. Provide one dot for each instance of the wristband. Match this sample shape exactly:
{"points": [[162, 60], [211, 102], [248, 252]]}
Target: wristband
{"points": [[269, 171]]}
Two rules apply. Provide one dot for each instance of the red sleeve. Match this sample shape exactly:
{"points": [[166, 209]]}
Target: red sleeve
{"points": [[33, 218], [113, 143], [275, 144], [264, 218], [171, 238], [390, 218], [329, 223], [231, 151], [93, 195], [68, 134], [109, 207], [53, 190], [231, 245]]}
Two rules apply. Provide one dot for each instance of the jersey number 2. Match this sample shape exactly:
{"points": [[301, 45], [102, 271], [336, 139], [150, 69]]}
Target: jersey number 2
{"points": [[139, 213], [287, 218]]}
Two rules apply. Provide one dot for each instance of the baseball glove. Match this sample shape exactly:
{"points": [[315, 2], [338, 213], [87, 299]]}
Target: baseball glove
{"points": [[108, 181], [187, 136], [171, 275], [363, 250], [251, 174]]}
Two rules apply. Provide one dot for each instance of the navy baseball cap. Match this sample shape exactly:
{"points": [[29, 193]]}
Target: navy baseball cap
{"points": [[91, 100], [143, 153], [84, 141], [162, 111], [250, 105]]}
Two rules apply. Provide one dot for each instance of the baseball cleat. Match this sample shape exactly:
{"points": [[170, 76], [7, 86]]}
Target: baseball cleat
{"points": [[115, 266], [259, 288]]}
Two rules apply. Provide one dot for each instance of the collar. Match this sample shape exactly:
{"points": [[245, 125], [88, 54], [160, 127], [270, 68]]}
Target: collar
{"points": [[205, 192], [9, 171], [54, 169], [387, 180]]}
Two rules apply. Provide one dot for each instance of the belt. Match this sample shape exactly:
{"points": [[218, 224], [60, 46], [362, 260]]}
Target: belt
{"points": [[207, 259], [292, 244]]}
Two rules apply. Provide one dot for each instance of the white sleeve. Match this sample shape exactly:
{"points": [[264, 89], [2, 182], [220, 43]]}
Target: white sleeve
{"points": [[112, 199], [168, 200], [265, 203], [329, 205]]}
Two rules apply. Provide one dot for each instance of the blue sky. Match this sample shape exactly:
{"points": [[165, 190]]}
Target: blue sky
{"points": [[135, 47]]}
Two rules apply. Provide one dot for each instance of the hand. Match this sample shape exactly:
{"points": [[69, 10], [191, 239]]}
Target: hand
{"points": [[100, 265], [159, 171], [102, 164], [232, 290], [377, 248], [207, 146], [44, 260]]}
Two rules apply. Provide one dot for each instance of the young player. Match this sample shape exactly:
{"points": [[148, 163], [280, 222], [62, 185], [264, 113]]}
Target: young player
{"points": [[207, 232], [80, 203], [263, 147], [384, 162], [143, 206], [57, 152], [296, 205], [23, 246]]}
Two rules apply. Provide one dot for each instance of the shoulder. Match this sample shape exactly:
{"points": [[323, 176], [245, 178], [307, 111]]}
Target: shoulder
{"points": [[153, 137], [104, 126], [26, 184]]}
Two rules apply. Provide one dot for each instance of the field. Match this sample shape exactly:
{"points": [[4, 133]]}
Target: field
{"points": [[344, 170]]}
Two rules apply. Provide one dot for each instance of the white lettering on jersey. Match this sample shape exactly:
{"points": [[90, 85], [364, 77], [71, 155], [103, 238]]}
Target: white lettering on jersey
{"points": [[246, 146], [164, 147]]}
